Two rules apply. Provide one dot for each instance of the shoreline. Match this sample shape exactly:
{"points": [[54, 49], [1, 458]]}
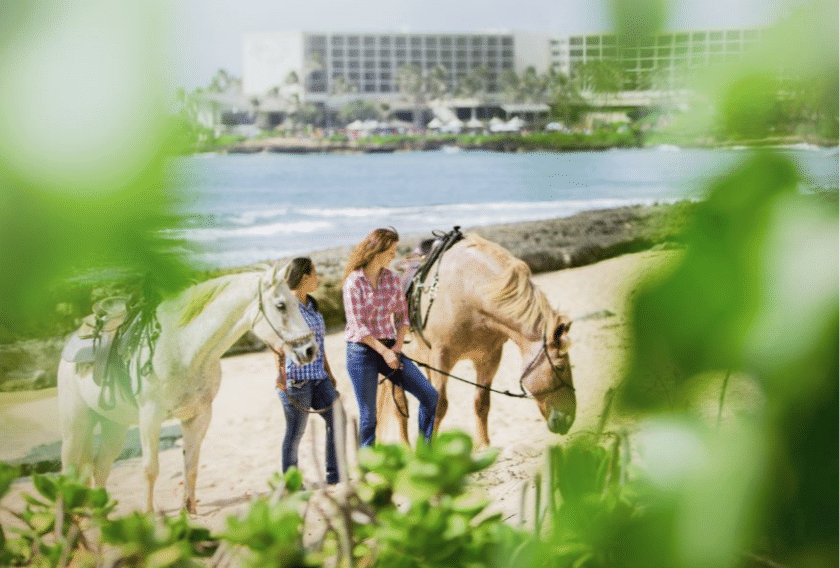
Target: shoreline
{"points": [[495, 142], [545, 246]]}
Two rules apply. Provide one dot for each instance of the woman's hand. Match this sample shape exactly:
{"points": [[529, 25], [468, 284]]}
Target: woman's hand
{"points": [[391, 359], [281, 381]]}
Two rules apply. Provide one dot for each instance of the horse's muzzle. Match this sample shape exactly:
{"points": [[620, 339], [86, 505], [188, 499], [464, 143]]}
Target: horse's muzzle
{"points": [[559, 422], [304, 350]]}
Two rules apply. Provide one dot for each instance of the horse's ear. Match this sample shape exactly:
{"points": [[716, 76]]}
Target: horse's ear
{"points": [[561, 332], [278, 272]]}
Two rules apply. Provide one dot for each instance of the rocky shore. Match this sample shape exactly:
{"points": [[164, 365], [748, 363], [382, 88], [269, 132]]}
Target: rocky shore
{"points": [[545, 246]]}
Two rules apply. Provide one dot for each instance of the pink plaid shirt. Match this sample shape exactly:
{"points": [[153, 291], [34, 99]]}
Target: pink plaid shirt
{"points": [[368, 311]]}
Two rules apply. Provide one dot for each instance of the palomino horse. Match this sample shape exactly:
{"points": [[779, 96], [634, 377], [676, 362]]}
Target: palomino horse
{"points": [[482, 297], [176, 373]]}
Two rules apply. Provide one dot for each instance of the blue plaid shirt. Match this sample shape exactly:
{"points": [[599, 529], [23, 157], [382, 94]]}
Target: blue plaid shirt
{"points": [[314, 370]]}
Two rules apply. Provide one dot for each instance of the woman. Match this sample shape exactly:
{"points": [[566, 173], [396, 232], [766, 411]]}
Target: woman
{"points": [[302, 387], [377, 321]]}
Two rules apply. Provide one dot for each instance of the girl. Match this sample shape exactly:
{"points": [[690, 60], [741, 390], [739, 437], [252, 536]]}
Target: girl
{"points": [[377, 321], [301, 387]]}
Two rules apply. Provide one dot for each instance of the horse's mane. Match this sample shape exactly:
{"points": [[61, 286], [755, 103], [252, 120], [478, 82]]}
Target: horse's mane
{"points": [[515, 294], [200, 295]]}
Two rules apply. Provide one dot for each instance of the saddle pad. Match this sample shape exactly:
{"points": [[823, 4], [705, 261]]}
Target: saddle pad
{"points": [[78, 350]]}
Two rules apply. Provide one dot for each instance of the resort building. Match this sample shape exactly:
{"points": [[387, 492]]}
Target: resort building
{"points": [[368, 64], [660, 62], [464, 73]]}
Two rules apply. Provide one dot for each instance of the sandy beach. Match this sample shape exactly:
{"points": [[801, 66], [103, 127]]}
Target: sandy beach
{"points": [[242, 448]]}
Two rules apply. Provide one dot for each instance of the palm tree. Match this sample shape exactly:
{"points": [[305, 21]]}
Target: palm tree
{"points": [[410, 83]]}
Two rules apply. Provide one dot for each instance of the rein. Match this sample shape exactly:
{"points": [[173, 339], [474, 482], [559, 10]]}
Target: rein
{"points": [[523, 394]]}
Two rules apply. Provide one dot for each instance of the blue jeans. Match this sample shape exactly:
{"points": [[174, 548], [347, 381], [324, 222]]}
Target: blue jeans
{"points": [[364, 364], [296, 399]]}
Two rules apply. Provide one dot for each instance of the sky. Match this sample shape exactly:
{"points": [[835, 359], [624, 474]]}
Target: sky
{"points": [[207, 34]]}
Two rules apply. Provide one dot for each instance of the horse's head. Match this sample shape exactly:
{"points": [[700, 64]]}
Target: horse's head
{"points": [[549, 378], [280, 323]]}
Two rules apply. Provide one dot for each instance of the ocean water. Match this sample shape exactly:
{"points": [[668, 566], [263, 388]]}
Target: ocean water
{"points": [[241, 209]]}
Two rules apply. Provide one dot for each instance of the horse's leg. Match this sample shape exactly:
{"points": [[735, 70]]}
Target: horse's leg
{"points": [[193, 430], [110, 446], [391, 404], [149, 426], [485, 369], [77, 423], [439, 359]]}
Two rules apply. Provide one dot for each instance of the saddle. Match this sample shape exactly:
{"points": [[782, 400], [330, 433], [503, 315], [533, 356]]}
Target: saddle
{"points": [[96, 331], [108, 338], [441, 243]]}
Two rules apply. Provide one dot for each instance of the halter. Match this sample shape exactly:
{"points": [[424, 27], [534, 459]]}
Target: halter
{"points": [[531, 366], [295, 343], [554, 370]]}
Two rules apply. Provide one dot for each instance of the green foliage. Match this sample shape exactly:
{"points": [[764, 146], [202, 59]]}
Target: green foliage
{"points": [[755, 294], [271, 529], [156, 542], [423, 514], [85, 189]]}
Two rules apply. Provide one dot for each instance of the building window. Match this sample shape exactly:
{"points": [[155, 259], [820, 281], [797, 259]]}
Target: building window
{"points": [[715, 36], [352, 52], [370, 64], [416, 41], [337, 64], [431, 41], [353, 64], [593, 52], [338, 52], [476, 54], [399, 41], [384, 53], [370, 53], [385, 41], [384, 88], [461, 41], [445, 41], [353, 40], [318, 41], [507, 41], [576, 41], [370, 41], [492, 41], [476, 42], [370, 76], [337, 40], [353, 76], [384, 76], [400, 53], [384, 64], [431, 53], [446, 54], [370, 88]]}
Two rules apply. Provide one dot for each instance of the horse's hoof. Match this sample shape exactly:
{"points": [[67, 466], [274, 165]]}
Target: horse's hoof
{"points": [[190, 507]]}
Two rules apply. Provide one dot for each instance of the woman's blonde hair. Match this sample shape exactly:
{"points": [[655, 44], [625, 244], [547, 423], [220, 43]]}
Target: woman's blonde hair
{"points": [[377, 241]]}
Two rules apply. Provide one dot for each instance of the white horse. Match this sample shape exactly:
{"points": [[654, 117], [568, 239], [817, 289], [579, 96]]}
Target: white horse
{"points": [[176, 374]]}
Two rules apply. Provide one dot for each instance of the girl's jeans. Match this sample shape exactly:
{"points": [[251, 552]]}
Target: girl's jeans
{"points": [[363, 366], [301, 396]]}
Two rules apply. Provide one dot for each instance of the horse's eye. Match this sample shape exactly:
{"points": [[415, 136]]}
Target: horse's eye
{"points": [[281, 306]]}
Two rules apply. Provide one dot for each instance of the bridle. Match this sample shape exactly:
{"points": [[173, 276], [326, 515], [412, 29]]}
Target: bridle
{"points": [[261, 312], [554, 370], [527, 371]]}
